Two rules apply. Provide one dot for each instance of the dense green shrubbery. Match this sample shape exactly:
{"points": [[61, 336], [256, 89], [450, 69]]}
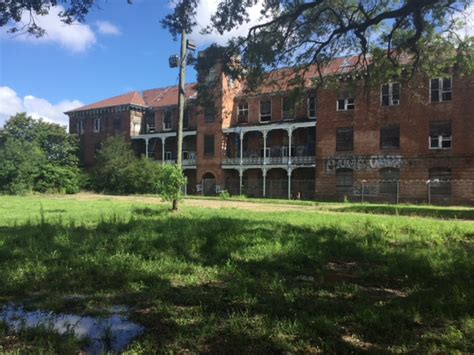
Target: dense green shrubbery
{"points": [[119, 171], [38, 156]]}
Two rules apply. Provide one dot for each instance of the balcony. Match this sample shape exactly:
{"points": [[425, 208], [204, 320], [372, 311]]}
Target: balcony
{"points": [[302, 158]]}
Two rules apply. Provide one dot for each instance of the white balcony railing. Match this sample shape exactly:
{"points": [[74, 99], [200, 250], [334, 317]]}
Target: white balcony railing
{"points": [[298, 160]]}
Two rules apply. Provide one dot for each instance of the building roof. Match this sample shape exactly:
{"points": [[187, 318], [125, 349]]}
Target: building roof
{"points": [[167, 96], [130, 98]]}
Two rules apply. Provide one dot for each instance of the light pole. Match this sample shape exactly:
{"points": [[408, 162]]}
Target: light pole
{"points": [[182, 62]]}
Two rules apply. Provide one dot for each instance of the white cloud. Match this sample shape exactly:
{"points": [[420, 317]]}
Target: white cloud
{"points": [[107, 28], [11, 104], [76, 37], [204, 12]]}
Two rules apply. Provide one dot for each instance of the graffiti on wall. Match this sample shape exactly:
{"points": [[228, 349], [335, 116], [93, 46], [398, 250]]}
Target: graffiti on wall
{"points": [[363, 162]]}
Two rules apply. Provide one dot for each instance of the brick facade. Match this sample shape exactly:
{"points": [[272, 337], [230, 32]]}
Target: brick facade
{"points": [[315, 169]]}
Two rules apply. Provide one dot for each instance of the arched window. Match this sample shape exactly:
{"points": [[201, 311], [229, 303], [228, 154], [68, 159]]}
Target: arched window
{"points": [[389, 178], [344, 181], [440, 181]]}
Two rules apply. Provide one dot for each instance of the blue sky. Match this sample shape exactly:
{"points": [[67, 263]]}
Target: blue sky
{"points": [[119, 48]]}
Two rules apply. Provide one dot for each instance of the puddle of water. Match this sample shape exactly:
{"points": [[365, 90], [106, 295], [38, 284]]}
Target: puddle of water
{"points": [[114, 333]]}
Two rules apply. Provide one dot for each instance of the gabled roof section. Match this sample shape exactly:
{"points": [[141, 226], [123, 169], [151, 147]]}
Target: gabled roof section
{"points": [[130, 98], [168, 96]]}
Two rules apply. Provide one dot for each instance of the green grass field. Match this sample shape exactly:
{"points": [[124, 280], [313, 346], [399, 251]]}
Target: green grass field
{"points": [[237, 281]]}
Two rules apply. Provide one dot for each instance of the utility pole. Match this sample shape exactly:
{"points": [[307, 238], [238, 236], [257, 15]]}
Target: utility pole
{"points": [[181, 102]]}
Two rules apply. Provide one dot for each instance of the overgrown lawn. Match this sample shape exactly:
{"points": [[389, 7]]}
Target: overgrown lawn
{"points": [[236, 281]]}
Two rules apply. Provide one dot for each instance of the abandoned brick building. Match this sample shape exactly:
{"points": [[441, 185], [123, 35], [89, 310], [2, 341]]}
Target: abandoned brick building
{"points": [[398, 142]]}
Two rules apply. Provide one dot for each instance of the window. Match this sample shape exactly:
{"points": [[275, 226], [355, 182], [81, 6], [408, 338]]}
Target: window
{"points": [[440, 182], [312, 106], [150, 123], [440, 89], [167, 119], [265, 111], [288, 108], [440, 135], [389, 179], [80, 127], [345, 104], [168, 155], [243, 112], [390, 137], [344, 139], [185, 155], [390, 94], [186, 119], [209, 145], [209, 115], [97, 125], [117, 123], [344, 181]]}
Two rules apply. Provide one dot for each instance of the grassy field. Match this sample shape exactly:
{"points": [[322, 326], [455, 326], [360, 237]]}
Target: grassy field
{"points": [[234, 281]]}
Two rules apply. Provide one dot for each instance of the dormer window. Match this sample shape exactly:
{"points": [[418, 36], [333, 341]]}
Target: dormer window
{"points": [[390, 94], [441, 89], [265, 110]]}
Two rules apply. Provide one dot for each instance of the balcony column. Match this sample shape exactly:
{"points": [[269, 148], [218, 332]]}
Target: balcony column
{"points": [[241, 175], [241, 148], [264, 152], [290, 135], [264, 175], [290, 170], [163, 142], [146, 148]]}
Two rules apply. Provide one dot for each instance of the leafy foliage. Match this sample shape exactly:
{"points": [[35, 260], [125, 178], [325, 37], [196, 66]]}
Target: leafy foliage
{"points": [[119, 171], [172, 182], [38, 156]]}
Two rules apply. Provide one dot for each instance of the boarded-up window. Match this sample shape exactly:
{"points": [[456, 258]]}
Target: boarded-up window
{"points": [[209, 145], [440, 181], [390, 137], [344, 183], [389, 180], [344, 139]]}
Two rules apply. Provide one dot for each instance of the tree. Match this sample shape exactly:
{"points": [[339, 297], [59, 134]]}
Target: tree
{"points": [[38, 156], [172, 182]]}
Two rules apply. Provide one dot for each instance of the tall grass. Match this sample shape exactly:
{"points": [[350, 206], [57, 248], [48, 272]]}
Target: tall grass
{"points": [[232, 281]]}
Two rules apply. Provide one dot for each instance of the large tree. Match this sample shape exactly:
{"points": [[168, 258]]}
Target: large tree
{"points": [[300, 33]]}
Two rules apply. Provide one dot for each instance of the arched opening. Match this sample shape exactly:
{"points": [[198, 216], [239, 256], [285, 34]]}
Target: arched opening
{"points": [[209, 184], [253, 183], [190, 175], [303, 183], [277, 183], [232, 181]]}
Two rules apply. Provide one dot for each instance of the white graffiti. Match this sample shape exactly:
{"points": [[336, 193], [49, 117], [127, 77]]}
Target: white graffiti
{"points": [[363, 162]]}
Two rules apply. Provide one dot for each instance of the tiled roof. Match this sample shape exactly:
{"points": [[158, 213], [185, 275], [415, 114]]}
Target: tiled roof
{"points": [[167, 96], [130, 98]]}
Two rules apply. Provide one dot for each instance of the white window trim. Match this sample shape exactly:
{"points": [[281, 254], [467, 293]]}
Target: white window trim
{"points": [[260, 111], [440, 140], [315, 107], [440, 85], [97, 129], [346, 101], [239, 110], [168, 155], [390, 94]]}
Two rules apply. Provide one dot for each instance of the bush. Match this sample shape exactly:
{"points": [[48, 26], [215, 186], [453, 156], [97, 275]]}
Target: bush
{"points": [[119, 171], [172, 182]]}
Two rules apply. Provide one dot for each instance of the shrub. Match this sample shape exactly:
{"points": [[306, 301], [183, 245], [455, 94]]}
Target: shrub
{"points": [[172, 182]]}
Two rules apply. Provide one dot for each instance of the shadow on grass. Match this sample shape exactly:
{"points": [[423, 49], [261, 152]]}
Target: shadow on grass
{"points": [[216, 283], [421, 211]]}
